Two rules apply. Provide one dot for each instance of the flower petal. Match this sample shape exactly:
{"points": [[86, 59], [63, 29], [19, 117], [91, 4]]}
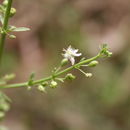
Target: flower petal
{"points": [[78, 54], [72, 60]]}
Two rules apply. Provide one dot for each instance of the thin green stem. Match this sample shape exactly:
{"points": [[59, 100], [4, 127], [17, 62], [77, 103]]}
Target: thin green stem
{"points": [[4, 28], [25, 84]]}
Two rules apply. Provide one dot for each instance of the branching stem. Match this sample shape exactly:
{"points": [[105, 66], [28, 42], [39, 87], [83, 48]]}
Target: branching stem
{"points": [[4, 28], [36, 82]]}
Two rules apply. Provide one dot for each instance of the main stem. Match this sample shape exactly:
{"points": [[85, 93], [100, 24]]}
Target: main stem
{"points": [[25, 84], [4, 28]]}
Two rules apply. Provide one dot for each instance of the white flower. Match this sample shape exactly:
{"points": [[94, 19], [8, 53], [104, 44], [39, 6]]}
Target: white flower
{"points": [[70, 54]]}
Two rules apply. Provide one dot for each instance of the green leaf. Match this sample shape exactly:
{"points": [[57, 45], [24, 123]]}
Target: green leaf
{"points": [[82, 59], [19, 29], [31, 78]]}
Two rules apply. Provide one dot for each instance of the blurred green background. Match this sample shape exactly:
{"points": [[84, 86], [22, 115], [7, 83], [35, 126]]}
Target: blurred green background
{"points": [[99, 103]]}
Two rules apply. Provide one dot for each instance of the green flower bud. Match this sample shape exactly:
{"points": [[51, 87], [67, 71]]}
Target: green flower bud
{"points": [[109, 54], [5, 3], [12, 36], [93, 63], [41, 88], [64, 62], [88, 75], [53, 84], [12, 12], [70, 77]]}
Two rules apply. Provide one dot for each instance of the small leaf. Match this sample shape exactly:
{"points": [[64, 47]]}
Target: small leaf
{"points": [[19, 29], [82, 59], [32, 75], [31, 78]]}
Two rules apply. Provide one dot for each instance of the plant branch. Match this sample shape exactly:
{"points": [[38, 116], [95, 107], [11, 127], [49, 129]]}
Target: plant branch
{"points": [[36, 82], [4, 28]]}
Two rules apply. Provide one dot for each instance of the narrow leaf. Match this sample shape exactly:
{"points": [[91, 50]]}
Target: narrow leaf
{"points": [[20, 29]]}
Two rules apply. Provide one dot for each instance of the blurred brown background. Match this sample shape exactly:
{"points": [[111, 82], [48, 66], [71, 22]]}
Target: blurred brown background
{"points": [[99, 103]]}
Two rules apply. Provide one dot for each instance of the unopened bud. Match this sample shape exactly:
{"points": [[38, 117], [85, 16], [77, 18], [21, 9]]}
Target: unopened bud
{"points": [[64, 62], [12, 36], [70, 76], [53, 84], [12, 12], [5, 3], [88, 75], [93, 63], [109, 54], [41, 88]]}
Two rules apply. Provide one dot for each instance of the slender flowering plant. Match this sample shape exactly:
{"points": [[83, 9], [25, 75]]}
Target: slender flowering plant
{"points": [[52, 81]]}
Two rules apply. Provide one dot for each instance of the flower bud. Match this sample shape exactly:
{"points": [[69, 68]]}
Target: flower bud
{"points": [[93, 63], [64, 62], [70, 77], [41, 88], [53, 84], [12, 12], [88, 75], [109, 54], [12, 36], [5, 3]]}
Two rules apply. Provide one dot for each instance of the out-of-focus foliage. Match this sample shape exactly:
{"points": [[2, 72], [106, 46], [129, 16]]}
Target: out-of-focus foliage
{"points": [[99, 103], [4, 105]]}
